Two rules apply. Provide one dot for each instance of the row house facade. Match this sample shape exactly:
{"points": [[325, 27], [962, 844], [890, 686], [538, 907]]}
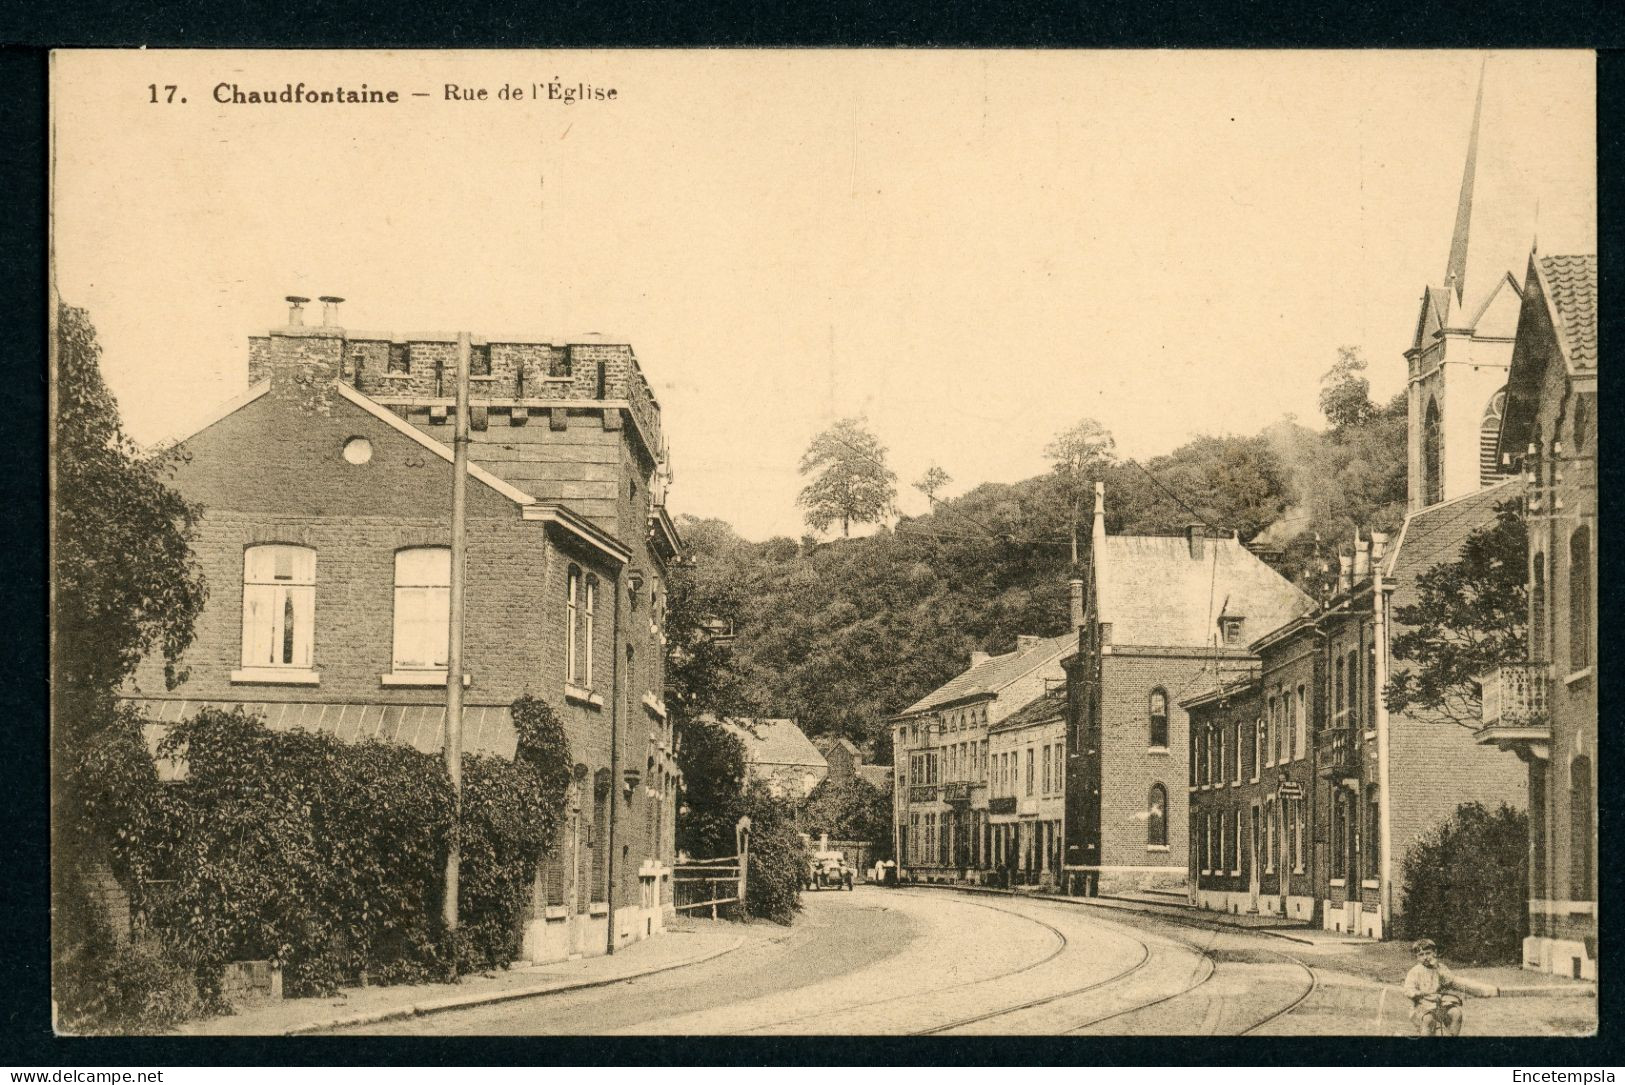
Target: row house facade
{"points": [[1343, 788], [1026, 791], [941, 744], [1252, 778], [325, 490], [1544, 709], [1165, 615]]}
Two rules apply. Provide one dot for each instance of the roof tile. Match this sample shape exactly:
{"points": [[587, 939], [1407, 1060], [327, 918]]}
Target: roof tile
{"points": [[1571, 283]]}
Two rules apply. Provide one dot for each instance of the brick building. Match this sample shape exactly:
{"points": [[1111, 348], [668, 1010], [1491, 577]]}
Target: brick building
{"points": [[1252, 780], [941, 797], [780, 756], [1545, 709], [1026, 791], [326, 496], [1165, 616]]}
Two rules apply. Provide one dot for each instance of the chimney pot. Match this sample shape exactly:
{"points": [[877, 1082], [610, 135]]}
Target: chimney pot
{"points": [[1194, 534], [1075, 589], [296, 309], [330, 308]]}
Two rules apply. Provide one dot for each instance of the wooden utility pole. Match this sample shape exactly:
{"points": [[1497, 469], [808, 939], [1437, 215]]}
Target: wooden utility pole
{"points": [[454, 647]]}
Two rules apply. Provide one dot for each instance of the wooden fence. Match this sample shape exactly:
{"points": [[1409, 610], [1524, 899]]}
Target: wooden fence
{"points": [[710, 883]]}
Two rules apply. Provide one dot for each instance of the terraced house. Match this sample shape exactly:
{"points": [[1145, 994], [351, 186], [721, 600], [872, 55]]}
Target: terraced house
{"points": [[1545, 708], [942, 802], [326, 495]]}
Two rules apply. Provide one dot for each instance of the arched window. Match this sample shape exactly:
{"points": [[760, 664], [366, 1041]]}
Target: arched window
{"points": [[279, 606], [1432, 456], [1156, 816], [422, 608], [1580, 598], [1489, 439], [1537, 611], [1159, 718], [1580, 829]]}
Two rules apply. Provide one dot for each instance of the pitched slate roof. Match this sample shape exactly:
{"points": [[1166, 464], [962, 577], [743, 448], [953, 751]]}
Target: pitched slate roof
{"points": [[1571, 288], [877, 775], [993, 674], [1154, 593], [1047, 706], [775, 742], [1433, 536], [487, 729]]}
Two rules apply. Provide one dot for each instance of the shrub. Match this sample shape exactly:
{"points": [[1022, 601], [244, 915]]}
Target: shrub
{"points": [[1465, 885], [324, 857], [778, 859], [102, 986]]}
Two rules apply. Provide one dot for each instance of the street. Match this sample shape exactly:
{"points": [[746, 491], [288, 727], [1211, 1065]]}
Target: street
{"points": [[928, 962]]}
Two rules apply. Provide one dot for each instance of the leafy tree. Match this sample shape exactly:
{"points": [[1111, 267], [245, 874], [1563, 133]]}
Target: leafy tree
{"points": [[1079, 457], [852, 483], [850, 810], [933, 481], [124, 580], [1469, 617], [124, 584], [1345, 395]]}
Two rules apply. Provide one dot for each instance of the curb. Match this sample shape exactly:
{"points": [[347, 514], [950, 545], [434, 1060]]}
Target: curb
{"points": [[1526, 990], [463, 1002]]}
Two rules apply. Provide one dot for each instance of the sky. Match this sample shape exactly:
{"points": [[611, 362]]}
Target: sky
{"points": [[971, 250]]}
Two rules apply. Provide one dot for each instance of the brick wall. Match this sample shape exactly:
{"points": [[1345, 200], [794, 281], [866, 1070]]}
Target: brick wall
{"points": [[1128, 768]]}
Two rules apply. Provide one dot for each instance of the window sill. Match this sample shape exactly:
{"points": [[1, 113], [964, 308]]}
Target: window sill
{"points": [[1156, 847], [1160, 751], [600, 907], [276, 676], [582, 696], [1338, 883], [418, 678], [556, 912], [1370, 734], [1297, 870], [1578, 676], [1370, 883]]}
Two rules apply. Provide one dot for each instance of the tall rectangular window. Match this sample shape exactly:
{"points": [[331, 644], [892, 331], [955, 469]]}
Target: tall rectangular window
{"points": [[279, 606], [1029, 770], [1235, 859], [1046, 770], [422, 608], [588, 638], [572, 595], [1301, 722]]}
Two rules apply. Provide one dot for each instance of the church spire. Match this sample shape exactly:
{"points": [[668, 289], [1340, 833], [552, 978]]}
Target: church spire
{"points": [[1455, 275]]}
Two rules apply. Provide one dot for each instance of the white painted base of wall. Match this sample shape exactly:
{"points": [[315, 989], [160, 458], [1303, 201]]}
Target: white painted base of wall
{"points": [[1558, 956], [1221, 900], [1350, 918], [562, 936]]}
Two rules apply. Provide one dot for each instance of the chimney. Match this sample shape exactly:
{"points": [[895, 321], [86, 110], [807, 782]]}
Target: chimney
{"points": [[1194, 534], [1345, 572], [298, 359], [330, 309], [1362, 560], [1075, 587], [296, 310], [1379, 548], [979, 658], [1026, 642]]}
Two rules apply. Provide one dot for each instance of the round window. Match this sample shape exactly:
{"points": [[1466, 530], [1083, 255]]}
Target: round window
{"points": [[358, 450]]}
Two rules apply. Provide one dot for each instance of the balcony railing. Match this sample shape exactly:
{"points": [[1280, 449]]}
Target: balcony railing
{"points": [[1335, 751], [923, 792], [956, 791], [1515, 695]]}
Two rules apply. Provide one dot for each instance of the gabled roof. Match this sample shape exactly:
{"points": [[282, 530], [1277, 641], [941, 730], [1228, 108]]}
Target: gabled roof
{"points": [[1570, 285], [1433, 536], [775, 742], [994, 674], [1154, 593], [879, 776], [1434, 314], [1047, 707], [826, 744]]}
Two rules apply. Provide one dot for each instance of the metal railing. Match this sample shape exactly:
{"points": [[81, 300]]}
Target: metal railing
{"points": [[1515, 695], [1334, 748]]}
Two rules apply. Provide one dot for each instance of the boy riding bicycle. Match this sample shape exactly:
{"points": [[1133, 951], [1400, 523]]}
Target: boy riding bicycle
{"points": [[1431, 989]]}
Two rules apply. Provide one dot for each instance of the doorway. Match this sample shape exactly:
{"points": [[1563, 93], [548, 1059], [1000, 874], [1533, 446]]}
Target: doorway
{"points": [[1253, 853]]}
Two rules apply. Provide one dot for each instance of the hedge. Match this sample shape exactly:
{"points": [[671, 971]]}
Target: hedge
{"points": [[1466, 884]]}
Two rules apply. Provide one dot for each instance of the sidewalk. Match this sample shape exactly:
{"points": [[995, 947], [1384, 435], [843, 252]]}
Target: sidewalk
{"points": [[687, 942]]}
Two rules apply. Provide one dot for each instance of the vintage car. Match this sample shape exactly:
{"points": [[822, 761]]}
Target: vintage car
{"points": [[828, 870]]}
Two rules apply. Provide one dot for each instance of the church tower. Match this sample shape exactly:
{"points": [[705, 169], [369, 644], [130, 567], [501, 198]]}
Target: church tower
{"points": [[1458, 364]]}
